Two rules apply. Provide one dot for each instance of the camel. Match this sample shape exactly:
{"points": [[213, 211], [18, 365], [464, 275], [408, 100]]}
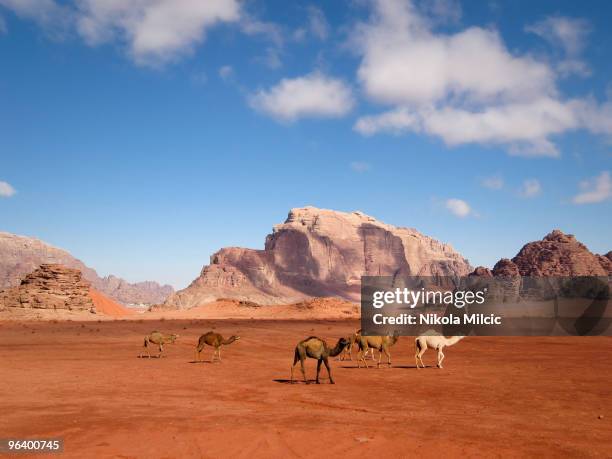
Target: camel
{"points": [[437, 342], [158, 338], [215, 340], [380, 343], [316, 348], [352, 339]]}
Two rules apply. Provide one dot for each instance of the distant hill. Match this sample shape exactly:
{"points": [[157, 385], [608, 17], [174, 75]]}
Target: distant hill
{"points": [[20, 255]]}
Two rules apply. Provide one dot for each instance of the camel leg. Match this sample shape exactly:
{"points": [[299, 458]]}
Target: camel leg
{"points": [[361, 358], [420, 357], [318, 370], [440, 358], [161, 349], [331, 380], [303, 369], [380, 354], [386, 351], [295, 360], [146, 346], [219, 353]]}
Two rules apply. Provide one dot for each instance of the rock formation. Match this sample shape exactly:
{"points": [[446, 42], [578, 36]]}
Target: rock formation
{"points": [[319, 253], [51, 286], [20, 255], [505, 267], [558, 254]]}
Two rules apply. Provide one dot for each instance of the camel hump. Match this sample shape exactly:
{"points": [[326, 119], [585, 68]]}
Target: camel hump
{"points": [[312, 337]]}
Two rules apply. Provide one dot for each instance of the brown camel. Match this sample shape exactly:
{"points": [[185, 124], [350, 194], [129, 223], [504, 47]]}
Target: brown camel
{"points": [[348, 350], [215, 340], [316, 348], [158, 338], [380, 343]]}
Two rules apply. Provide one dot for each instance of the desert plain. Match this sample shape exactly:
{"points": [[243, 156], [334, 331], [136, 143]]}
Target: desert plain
{"points": [[83, 381]]}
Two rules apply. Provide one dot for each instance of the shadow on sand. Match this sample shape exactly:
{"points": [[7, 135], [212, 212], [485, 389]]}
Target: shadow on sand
{"points": [[298, 381]]}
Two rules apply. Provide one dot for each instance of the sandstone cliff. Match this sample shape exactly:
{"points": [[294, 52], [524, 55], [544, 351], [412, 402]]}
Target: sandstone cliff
{"points": [[51, 286], [20, 255], [318, 253]]}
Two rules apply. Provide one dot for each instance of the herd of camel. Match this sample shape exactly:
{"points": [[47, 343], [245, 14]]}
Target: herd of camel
{"points": [[316, 348]]}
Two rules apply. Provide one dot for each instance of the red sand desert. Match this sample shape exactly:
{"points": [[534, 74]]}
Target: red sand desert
{"points": [[104, 305], [84, 382]]}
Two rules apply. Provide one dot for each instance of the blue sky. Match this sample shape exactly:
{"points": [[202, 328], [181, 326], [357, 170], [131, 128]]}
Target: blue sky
{"points": [[144, 136]]}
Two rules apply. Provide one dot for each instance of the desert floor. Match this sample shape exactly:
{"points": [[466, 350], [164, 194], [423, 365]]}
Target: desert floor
{"points": [[496, 396]]}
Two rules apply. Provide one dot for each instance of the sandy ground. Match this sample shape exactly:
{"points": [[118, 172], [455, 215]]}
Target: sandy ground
{"points": [[83, 381], [107, 309]]}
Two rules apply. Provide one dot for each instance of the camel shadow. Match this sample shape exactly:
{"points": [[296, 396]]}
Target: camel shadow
{"points": [[296, 381], [202, 361], [150, 356], [385, 366]]}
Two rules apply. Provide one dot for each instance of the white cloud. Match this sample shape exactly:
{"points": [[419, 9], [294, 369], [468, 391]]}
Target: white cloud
{"points": [[155, 31], [465, 88], [458, 207], [6, 190], [316, 26], [312, 95], [317, 23], [493, 183], [46, 13], [226, 72], [271, 58], [568, 33], [405, 63], [530, 188], [360, 166], [523, 127], [570, 36], [595, 190], [394, 121], [252, 26], [442, 11]]}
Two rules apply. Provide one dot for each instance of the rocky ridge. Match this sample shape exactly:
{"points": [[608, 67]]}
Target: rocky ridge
{"points": [[20, 255], [318, 253]]}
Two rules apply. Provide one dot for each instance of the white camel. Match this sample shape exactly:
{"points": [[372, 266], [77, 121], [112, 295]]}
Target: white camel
{"points": [[437, 342]]}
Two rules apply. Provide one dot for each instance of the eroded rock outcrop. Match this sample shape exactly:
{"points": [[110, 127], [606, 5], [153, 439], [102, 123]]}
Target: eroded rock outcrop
{"points": [[558, 254], [20, 255], [319, 253], [51, 286]]}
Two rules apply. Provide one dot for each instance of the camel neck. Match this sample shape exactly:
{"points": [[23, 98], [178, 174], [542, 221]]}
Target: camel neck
{"points": [[453, 340]]}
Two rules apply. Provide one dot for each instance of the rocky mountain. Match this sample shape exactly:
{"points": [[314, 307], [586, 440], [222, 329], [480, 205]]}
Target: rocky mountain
{"points": [[20, 255], [51, 286], [558, 254], [318, 253]]}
